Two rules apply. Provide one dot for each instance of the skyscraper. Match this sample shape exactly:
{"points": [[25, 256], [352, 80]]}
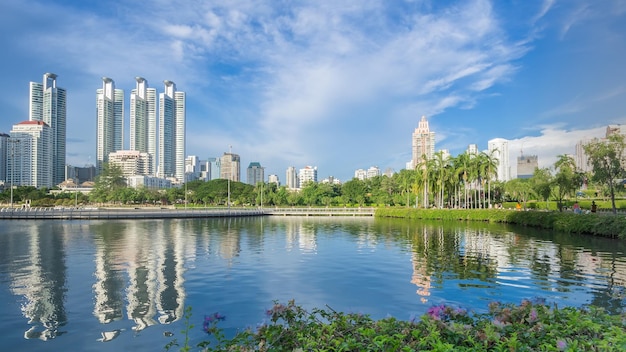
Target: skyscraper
{"points": [[31, 161], [47, 103], [171, 132], [230, 168], [498, 148], [143, 122], [291, 178], [423, 143], [255, 173], [110, 121]]}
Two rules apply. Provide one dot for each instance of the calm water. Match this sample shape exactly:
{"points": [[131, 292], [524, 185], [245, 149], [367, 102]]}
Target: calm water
{"points": [[123, 285]]}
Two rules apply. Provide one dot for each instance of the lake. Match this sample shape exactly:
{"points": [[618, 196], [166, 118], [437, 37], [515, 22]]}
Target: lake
{"points": [[93, 285]]}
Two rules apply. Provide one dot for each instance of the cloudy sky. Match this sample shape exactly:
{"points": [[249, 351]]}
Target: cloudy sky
{"points": [[336, 84]]}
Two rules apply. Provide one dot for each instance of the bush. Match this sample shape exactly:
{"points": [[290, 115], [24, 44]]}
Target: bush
{"points": [[569, 222], [529, 326]]}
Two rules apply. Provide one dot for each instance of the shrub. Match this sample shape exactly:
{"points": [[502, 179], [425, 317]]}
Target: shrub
{"points": [[529, 326]]}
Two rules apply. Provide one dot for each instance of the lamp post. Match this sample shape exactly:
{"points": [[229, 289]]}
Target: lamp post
{"points": [[230, 151]]}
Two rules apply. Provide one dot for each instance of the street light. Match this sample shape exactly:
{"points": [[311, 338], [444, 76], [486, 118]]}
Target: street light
{"points": [[230, 151]]}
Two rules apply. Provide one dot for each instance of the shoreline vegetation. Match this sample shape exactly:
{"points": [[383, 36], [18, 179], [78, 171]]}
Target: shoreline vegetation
{"points": [[605, 225], [532, 325]]}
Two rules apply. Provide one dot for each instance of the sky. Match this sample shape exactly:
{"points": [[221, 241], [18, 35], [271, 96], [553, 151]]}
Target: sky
{"points": [[337, 84]]}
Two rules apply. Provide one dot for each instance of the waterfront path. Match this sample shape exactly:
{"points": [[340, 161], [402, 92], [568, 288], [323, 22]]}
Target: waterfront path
{"points": [[169, 213]]}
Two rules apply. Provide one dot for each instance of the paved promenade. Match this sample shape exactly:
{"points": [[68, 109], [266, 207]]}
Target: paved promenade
{"points": [[168, 213]]}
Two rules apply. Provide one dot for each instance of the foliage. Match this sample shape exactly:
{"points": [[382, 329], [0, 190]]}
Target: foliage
{"points": [[607, 158], [529, 326], [567, 180], [569, 222]]}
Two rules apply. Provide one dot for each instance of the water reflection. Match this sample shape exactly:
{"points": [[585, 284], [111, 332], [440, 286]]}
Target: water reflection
{"points": [[36, 266], [143, 273]]}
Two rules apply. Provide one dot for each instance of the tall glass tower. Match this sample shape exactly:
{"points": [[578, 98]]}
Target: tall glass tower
{"points": [[47, 103], [143, 120], [171, 133], [110, 121]]}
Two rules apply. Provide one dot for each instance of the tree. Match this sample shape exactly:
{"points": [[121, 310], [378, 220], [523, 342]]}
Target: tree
{"points": [[108, 184], [541, 182], [519, 189], [607, 160], [567, 179]]}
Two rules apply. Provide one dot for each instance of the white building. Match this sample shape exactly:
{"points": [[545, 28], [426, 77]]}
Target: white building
{"points": [[360, 174], [149, 182], [171, 132], [143, 121], [30, 155], [192, 168], [373, 171], [47, 103], [110, 121], [273, 179], [132, 162], [307, 174], [291, 178], [498, 148], [472, 149]]}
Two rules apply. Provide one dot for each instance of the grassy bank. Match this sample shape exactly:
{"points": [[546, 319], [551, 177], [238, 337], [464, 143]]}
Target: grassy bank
{"points": [[592, 224]]}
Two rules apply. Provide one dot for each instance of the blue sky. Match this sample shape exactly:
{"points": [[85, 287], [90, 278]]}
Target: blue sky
{"points": [[340, 85]]}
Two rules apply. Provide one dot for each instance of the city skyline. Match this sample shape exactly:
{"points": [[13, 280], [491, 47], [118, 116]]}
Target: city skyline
{"points": [[315, 83]]}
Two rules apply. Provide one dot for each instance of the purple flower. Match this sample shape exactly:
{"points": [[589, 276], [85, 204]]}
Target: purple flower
{"points": [[561, 345], [210, 320], [437, 312], [533, 315]]}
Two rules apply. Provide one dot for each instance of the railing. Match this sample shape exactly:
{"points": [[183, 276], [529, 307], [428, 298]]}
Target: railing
{"points": [[163, 213], [359, 211]]}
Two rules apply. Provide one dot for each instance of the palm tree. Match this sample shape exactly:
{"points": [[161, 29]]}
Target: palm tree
{"points": [[461, 172], [487, 169], [440, 169], [422, 180]]}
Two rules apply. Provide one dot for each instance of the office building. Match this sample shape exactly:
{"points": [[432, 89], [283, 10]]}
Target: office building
{"points": [[30, 161], [131, 162], [526, 165], [307, 174], [291, 178], [80, 174], [230, 167], [192, 168], [423, 143], [171, 132], [215, 168], [143, 121], [110, 121], [498, 148], [255, 173], [47, 103], [273, 179]]}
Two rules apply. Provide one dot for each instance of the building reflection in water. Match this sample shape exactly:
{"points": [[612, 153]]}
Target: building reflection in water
{"points": [[152, 256], [40, 277]]}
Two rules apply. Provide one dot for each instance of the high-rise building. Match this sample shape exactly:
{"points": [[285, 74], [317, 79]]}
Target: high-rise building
{"points": [[255, 173], [308, 174], [110, 121], [47, 103], [360, 174], [131, 162], [215, 169], [171, 132], [472, 149], [192, 168], [291, 178], [143, 121], [526, 165], [373, 171], [581, 159], [31, 161], [230, 168], [498, 148], [423, 143], [273, 179]]}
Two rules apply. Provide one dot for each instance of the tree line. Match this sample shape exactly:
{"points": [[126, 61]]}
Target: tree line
{"points": [[464, 181]]}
